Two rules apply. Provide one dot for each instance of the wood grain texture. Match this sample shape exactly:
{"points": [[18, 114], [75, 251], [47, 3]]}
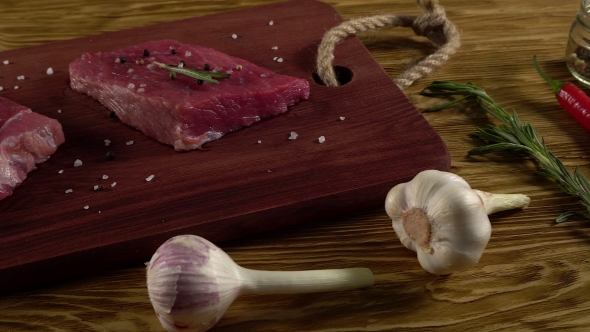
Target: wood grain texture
{"points": [[533, 276]]}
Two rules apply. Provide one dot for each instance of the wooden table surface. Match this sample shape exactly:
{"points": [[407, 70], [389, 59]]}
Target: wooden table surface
{"points": [[534, 275]]}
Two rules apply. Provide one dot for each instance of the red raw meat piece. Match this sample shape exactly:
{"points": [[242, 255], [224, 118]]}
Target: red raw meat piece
{"points": [[181, 112], [26, 139]]}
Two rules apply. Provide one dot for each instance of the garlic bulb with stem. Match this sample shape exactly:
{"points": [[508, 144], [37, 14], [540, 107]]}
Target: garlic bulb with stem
{"points": [[443, 220], [191, 282]]}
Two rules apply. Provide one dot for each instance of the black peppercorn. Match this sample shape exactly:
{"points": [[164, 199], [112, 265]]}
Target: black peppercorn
{"points": [[110, 155], [146, 53], [199, 82], [206, 66], [122, 60], [173, 52]]}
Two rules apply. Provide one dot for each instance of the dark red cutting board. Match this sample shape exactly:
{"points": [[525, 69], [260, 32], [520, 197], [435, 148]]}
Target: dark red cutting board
{"points": [[237, 187]]}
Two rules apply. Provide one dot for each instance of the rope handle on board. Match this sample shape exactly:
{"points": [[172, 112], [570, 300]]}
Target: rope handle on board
{"points": [[432, 23]]}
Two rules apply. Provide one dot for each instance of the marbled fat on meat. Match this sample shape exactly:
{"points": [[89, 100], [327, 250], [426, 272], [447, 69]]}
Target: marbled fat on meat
{"points": [[180, 112], [26, 139]]}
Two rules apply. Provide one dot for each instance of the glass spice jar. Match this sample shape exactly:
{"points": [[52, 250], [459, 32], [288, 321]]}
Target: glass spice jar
{"points": [[578, 45]]}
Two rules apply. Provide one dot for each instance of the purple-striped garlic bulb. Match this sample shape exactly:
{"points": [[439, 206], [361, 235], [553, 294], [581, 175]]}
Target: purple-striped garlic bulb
{"points": [[191, 282]]}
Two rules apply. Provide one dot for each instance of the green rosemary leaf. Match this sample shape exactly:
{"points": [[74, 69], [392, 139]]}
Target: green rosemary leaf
{"points": [[487, 135], [496, 147], [548, 174], [202, 75], [566, 216], [513, 134]]}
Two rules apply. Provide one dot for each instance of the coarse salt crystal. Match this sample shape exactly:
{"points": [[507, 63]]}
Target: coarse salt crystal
{"points": [[129, 143], [322, 139], [130, 85], [259, 141], [69, 191], [140, 90], [113, 184], [60, 171], [149, 178], [275, 58], [5, 62], [142, 85], [86, 207], [20, 77], [234, 36], [77, 163], [107, 142], [280, 60], [274, 48], [117, 60], [49, 71], [271, 23], [342, 118], [293, 135], [16, 87], [58, 111], [130, 70], [188, 53], [96, 187], [1, 88], [265, 75], [104, 177]]}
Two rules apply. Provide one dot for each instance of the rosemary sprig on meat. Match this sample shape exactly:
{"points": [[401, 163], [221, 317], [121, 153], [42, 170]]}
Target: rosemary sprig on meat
{"points": [[514, 135], [200, 75]]}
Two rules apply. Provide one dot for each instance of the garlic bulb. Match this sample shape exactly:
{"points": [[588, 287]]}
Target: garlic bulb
{"points": [[191, 282], [443, 220]]}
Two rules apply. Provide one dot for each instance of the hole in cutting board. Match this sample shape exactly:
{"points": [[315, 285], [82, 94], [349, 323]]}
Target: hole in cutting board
{"points": [[343, 75]]}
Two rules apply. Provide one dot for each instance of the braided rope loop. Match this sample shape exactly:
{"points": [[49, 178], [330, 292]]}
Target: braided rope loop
{"points": [[432, 23]]}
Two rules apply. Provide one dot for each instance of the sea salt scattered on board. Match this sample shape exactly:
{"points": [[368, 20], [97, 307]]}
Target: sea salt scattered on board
{"points": [[274, 48], [1, 88], [5, 62], [271, 23], [58, 111], [86, 207], [342, 118], [113, 184], [107, 142], [129, 143], [60, 171], [149, 178], [16, 87], [280, 60], [49, 71], [69, 191], [77, 163], [293, 136], [322, 139], [20, 78], [104, 177], [234, 36]]}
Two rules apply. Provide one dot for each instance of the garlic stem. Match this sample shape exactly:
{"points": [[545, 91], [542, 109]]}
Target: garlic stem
{"points": [[501, 202], [293, 282]]}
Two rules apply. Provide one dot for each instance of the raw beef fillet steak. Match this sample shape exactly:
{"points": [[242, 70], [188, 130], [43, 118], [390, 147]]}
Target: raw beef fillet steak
{"points": [[26, 139], [183, 112]]}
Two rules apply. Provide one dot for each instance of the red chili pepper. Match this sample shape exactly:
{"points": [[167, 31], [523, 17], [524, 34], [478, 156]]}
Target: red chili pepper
{"points": [[574, 100]]}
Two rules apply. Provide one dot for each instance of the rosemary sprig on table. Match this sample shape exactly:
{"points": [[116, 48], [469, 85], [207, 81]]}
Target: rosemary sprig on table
{"points": [[514, 135], [202, 75]]}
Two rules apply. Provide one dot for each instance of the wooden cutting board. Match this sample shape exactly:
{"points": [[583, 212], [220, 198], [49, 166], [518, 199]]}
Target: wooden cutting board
{"points": [[249, 181]]}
